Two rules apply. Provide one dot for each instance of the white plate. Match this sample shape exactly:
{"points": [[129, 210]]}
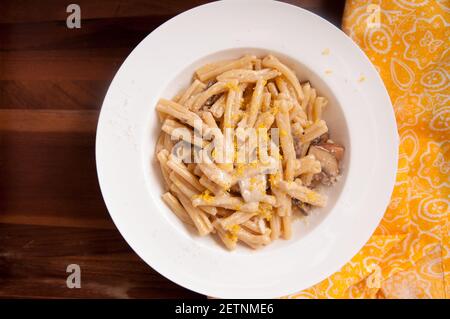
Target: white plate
{"points": [[359, 115]]}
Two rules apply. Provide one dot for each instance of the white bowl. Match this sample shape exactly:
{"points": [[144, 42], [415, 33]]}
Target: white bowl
{"points": [[359, 115]]}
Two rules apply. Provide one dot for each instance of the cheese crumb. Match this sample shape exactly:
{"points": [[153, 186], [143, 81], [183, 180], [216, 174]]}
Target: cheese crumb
{"points": [[265, 211], [311, 196], [206, 196], [232, 232], [231, 86]]}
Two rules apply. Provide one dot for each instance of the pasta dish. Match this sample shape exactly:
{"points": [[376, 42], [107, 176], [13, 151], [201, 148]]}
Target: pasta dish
{"points": [[243, 149]]}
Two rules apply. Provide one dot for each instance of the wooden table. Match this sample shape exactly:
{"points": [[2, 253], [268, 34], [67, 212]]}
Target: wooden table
{"points": [[52, 83]]}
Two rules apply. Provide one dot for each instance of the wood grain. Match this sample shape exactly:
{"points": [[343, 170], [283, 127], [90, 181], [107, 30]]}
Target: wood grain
{"points": [[49, 178], [65, 94], [52, 10], [52, 84], [35, 265], [48, 120]]}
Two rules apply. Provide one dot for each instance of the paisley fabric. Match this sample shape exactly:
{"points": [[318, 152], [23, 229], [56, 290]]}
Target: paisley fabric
{"points": [[408, 256]]}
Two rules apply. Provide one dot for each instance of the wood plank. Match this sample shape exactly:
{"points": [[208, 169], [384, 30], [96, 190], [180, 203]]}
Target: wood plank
{"points": [[48, 120], [331, 10], [92, 64], [98, 33], [49, 178], [33, 262], [16, 11], [37, 218], [53, 94]]}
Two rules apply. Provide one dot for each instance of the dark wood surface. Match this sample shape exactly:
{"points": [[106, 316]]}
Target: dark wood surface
{"points": [[52, 83]]}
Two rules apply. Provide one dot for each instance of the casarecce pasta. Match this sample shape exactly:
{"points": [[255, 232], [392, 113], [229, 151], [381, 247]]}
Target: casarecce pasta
{"points": [[243, 149]]}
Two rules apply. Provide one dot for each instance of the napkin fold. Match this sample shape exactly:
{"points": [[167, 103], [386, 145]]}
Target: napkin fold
{"points": [[408, 256]]}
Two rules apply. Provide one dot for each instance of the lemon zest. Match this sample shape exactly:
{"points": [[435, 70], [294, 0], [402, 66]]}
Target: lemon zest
{"points": [[231, 86]]}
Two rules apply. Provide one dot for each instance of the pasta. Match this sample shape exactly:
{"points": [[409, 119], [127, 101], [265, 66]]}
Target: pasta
{"points": [[244, 149]]}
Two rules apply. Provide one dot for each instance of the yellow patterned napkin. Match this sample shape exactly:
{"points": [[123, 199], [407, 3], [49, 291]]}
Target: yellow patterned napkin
{"points": [[408, 256]]}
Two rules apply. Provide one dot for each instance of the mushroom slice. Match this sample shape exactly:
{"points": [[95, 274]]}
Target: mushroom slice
{"points": [[304, 208], [322, 178], [321, 139], [327, 160], [335, 149], [297, 147], [212, 100]]}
